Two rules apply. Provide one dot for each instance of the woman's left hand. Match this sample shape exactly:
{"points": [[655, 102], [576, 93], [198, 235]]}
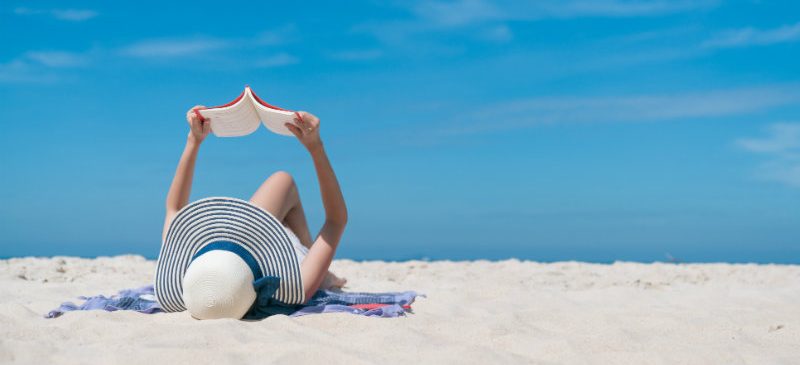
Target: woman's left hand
{"points": [[306, 129]]}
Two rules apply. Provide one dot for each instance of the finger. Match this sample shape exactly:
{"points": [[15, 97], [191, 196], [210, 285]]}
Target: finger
{"points": [[296, 131], [194, 111], [306, 128], [301, 122], [304, 117], [199, 116], [308, 117], [311, 121]]}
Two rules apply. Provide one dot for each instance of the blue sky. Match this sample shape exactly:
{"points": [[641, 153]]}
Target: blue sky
{"points": [[545, 130]]}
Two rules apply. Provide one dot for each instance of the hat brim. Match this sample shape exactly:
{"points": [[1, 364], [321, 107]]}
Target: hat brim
{"points": [[226, 219]]}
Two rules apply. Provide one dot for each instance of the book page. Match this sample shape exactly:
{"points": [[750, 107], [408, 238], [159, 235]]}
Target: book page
{"points": [[274, 119], [236, 120]]}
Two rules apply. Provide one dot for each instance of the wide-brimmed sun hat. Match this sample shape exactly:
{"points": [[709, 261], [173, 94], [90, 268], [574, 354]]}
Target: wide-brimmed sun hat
{"points": [[222, 253]]}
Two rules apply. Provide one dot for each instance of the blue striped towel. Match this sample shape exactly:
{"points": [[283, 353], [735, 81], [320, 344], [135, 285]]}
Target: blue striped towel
{"points": [[324, 301]]}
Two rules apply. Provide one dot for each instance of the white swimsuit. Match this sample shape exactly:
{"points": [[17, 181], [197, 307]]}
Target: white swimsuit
{"points": [[299, 249]]}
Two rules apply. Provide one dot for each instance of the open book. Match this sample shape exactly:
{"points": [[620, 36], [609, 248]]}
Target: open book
{"points": [[243, 115]]}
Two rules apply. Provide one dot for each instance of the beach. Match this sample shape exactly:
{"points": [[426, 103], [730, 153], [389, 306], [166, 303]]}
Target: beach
{"points": [[474, 312]]}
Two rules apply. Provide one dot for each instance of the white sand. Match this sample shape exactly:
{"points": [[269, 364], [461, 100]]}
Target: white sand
{"points": [[475, 312]]}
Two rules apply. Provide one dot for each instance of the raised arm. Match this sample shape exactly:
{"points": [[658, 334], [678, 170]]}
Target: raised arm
{"points": [[320, 255], [181, 186]]}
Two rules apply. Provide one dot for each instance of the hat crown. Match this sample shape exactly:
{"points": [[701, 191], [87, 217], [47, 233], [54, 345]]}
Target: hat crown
{"points": [[218, 284]]}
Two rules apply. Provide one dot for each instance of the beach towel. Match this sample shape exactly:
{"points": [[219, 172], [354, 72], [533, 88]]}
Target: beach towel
{"points": [[377, 304], [142, 300]]}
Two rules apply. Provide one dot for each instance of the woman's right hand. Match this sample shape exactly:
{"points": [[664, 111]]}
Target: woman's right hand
{"points": [[198, 127]]}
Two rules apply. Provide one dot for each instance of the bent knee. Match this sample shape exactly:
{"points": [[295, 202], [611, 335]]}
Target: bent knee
{"points": [[282, 176]]}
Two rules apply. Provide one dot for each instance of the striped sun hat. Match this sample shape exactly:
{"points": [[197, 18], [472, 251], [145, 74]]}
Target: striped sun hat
{"points": [[232, 225]]}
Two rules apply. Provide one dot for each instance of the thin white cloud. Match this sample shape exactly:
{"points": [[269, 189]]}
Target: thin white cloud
{"points": [[71, 15], [16, 71], [22, 71], [58, 58], [639, 52], [281, 59], [462, 12], [273, 37], [622, 8], [176, 47], [755, 37], [40, 66], [631, 108], [781, 148], [48, 65], [499, 34], [458, 13], [357, 55], [492, 18], [783, 137], [169, 48], [783, 171], [27, 11], [74, 15]]}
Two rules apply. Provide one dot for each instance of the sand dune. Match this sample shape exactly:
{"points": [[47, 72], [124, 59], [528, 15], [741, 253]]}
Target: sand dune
{"points": [[475, 312]]}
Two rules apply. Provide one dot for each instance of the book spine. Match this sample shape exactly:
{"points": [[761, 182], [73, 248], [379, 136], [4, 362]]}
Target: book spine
{"points": [[197, 113]]}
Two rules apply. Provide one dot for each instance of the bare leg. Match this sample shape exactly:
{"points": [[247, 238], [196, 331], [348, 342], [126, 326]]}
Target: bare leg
{"points": [[279, 196]]}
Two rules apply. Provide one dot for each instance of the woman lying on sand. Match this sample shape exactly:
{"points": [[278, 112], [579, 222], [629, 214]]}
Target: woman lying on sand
{"points": [[221, 257]]}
